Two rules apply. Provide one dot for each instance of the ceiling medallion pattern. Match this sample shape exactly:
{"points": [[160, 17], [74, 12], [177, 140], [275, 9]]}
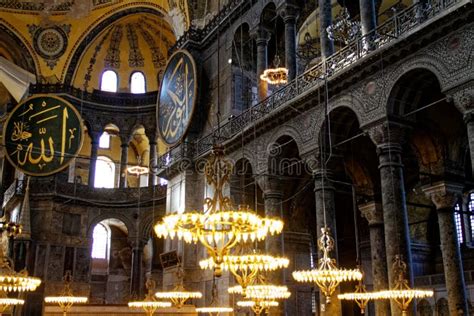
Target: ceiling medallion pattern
{"points": [[135, 58], [50, 42], [112, 59]]}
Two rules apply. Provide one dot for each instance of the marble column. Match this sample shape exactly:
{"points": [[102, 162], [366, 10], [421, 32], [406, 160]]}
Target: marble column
{"points": [[324, 193], [123, 163], [372, 211], [388, 138], [368, 18], [444, 196], [325, 20], [93, 158], [262, 37], [469, 120], [272, 197], [289, 13], [137, 276], [153, 161]]}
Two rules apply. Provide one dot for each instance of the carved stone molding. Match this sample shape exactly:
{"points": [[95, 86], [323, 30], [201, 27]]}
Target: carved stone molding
{"points": [[373, 212], [271, 186], [289, 12], [261, 35], [463, 99], [388, 132], [444, 195]]}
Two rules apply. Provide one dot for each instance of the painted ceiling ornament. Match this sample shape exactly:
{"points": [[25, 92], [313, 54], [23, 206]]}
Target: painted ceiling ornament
{"points": [[343, 30], [50, 42]]}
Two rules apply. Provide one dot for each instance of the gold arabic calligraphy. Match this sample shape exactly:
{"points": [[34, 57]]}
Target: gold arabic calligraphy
{"points": [[23, 135], [180, 94]]}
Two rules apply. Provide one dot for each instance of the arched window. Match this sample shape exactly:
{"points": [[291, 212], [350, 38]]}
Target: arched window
{"points": [[109, 81], [100, 242], [104, 140], [104, 173], [458, 222], [137, 82], [470, 208]]}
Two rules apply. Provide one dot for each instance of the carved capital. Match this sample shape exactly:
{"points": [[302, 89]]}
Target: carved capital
{"points": [[463, 99], [469, 117], [372, 211], [135, 244], [444, 195], [95, 136], [388, 133], [271, 186], [312, 160], [322, 179], [261, 34], [125, 138], [289, 12]]}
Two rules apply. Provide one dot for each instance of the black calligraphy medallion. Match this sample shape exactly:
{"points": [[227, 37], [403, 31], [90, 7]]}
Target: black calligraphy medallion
{"points": [[177, 97], [42, 135]]}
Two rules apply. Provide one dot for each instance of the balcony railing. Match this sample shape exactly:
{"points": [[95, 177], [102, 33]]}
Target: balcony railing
{"points": [[390, 31], [15, 189], [58, 187]]}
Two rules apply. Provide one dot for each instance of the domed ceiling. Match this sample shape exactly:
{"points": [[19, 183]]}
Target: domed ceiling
{"points": [[138, 42]]}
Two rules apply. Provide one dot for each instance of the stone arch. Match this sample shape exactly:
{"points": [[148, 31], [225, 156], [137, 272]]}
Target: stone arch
{"points": [[402, 93], [423, 308], [24, 52], [284, 130], [146, 230], [342, 112], [259, 8], [424, 63], [245, 153], [351, 102], [442, 307], [121, 217], [96, 28]]}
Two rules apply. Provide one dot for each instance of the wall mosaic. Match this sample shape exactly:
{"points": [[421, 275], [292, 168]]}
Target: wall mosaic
{"points": [[50, 42]]}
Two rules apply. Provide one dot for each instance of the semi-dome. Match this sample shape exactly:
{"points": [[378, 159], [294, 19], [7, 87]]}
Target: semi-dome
{"points": [[135, 43]]}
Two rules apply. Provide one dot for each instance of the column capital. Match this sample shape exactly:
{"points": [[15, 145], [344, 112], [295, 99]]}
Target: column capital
{"points": [[388, 134], [312, 159], [261, 34], [95, 136], [136, 244], [372, 212], [125, 138], [322, 179], [469, 117], [270, 185], [463, 99], [289, 12], [443, 194]]}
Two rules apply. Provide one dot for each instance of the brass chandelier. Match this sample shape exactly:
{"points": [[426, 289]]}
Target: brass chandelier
{"points": [[7, 302], [246, 267], [360, 296], [179, 295], [66, 299], [327, 276], [401, 293], [268, 292], [149, 304], [220, 227], [276, 75], [258, 306], [214, 309], [10, 280]]}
